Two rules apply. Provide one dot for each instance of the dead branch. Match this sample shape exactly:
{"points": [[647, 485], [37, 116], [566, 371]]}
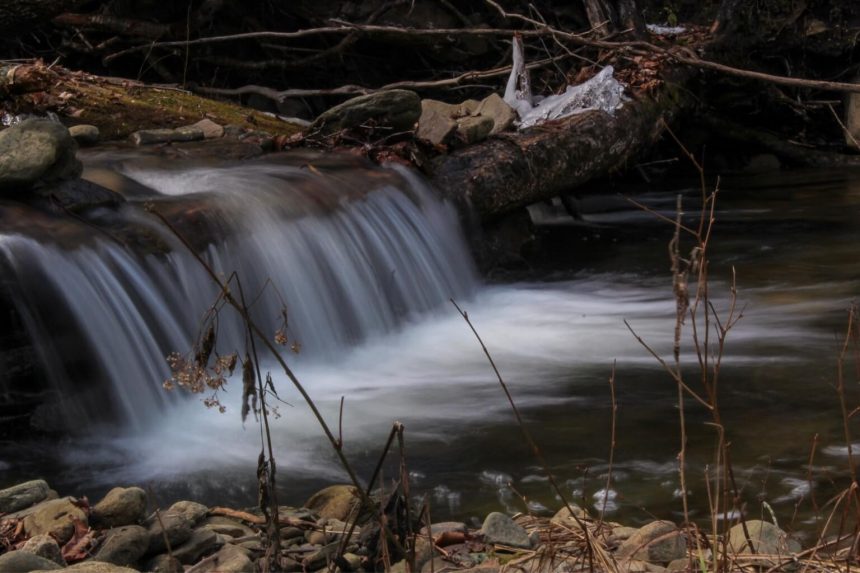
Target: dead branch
{"points": [[114, 25], [683, 56], [360, 90]]}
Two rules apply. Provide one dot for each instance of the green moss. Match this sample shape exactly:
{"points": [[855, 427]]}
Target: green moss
{"points": [[119, 110]]}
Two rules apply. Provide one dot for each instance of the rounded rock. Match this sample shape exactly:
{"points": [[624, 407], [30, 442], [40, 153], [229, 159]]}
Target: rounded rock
{"points": [[36, 151], [121, 506]]}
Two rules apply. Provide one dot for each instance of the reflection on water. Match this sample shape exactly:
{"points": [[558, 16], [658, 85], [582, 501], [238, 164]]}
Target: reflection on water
{"points": [[791, 240]]}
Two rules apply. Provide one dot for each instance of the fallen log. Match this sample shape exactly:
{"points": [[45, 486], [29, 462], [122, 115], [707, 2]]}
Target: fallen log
{"points": [[510, 171]]}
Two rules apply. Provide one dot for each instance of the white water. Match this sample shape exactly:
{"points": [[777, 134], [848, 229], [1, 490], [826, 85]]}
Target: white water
{"points": [[366, 268]]}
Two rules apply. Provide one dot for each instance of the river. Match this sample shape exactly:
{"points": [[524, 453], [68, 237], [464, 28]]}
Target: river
{"points": [[366, 281]]}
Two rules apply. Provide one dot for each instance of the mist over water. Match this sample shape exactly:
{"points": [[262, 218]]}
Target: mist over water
{"points": [[365, 262]]}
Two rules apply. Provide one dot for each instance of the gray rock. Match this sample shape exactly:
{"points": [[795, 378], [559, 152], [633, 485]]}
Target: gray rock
{"points": [[85, 134], [353, 561], [24, 561], [227, 526], [98, 567], [563, 516], [121, 506], [79, 194], [228, 559], [45, 546], [55, 518], [500, 529], [164, 564], [436, 123], [123, 545], [201, 542], [657, 542], [174, 526], [336, 501], [154, 136], [321, 557], [210, 129], [397, 110], [766, 538], [23, 495], [495, 107], [36, 151], [191, 510], [444, 527], [474, 128]]}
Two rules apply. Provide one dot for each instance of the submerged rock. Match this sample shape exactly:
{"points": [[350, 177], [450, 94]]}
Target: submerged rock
{"points": [[397, 110], [23, 495], [36, 151]]}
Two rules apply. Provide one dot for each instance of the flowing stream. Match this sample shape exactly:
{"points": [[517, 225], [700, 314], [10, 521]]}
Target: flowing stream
{"points": [[364, 262]]}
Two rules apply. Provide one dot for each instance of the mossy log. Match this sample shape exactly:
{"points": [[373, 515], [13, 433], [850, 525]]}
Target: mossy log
{"points": [[119, 107], [513, 170]]}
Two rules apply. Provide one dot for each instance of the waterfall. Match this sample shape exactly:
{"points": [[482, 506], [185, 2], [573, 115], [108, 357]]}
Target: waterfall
{"points": [[347, 252]]}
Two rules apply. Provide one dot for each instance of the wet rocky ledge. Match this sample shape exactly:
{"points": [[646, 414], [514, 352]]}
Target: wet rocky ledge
{"points": [[123, 532]]}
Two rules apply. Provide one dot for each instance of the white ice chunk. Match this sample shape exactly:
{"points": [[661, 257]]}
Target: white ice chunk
{"points": [[665, 30], [602, 92]]}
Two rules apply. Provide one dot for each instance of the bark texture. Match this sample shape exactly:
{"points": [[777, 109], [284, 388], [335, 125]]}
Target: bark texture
{"points": [[514, 170]]}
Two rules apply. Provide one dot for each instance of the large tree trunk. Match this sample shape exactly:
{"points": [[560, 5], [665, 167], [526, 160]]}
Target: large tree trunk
{"points": [[18, 16]]}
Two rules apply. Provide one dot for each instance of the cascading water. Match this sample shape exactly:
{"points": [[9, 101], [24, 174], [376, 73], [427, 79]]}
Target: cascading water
{"points": [[364, 260], [346, 257]]}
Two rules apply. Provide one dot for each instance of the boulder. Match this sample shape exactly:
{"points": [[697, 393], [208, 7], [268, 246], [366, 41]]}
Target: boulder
{"points": [[191, 510], [45, 546], [657, 542], [766, 538], [79, 194], [502, 114], [444, 527], [228, 559], [563, 516], [123, 545], [201, 542], [36, 151], [436, 123], [23, 495], [55, 518], [474, 128], [227, 526], [500, 529], [121, 506], [98, 567], [164, 564], [336, 501], [175, 527], [397, 110], [85, 134], [24, 562], [210, 129], [318, 559]]}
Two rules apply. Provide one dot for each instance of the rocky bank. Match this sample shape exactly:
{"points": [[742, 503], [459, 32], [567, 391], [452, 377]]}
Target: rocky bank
{"points": [[124, 532]]}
